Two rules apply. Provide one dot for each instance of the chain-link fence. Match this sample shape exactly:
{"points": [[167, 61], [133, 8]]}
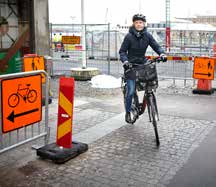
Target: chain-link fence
{"points": [[102, 46], [67, 56]]}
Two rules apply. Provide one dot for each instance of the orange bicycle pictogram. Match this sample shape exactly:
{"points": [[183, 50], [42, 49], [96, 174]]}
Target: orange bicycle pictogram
{"points": [[30, 95]]}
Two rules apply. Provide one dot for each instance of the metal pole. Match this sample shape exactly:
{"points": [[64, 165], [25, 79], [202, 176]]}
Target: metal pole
{"points": [[51, 33], [83, 36], [46, 139], [116, 53], [1, 134], [86, 49], [108, 48], [92, 43], [167, 26], [140, 6], [200, 42]]}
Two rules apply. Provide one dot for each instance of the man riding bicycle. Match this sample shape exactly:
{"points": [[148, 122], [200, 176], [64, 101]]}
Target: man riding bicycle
{"points": [[133, 51]]}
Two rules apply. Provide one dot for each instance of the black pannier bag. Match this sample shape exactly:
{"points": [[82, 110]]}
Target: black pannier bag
{"points": [[147, 73], [146, 76]]}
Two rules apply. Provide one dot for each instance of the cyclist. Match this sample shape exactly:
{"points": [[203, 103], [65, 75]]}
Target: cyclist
{"points": [[133, 50]]}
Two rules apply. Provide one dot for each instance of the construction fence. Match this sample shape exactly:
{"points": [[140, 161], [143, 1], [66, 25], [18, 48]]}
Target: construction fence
{"points": [[103, 43]]}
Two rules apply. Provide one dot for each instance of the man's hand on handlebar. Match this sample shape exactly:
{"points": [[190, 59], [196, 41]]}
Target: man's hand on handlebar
{"points": [[127, 65], [163, 57]]}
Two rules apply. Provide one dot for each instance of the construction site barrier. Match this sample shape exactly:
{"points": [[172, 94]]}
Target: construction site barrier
{"points": [[22, 117]]}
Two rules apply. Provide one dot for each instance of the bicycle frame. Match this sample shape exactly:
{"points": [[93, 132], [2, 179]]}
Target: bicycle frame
{"points": [[148, 94]]}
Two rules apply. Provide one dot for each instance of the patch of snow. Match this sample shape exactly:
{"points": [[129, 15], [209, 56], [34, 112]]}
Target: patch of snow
{"points": [[105, 81]]}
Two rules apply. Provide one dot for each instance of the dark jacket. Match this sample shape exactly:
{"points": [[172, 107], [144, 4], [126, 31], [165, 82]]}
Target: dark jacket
{"points": [[134, 46]]}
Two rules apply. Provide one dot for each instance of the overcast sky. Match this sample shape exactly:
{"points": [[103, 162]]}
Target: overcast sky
{"points": [[118, 11]]}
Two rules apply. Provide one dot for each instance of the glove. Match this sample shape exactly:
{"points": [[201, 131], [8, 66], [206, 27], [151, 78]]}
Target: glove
{"points": [[127, 65], [163, 57]]}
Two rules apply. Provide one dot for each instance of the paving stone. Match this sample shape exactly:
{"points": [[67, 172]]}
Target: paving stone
{"points": [[127, 156]]}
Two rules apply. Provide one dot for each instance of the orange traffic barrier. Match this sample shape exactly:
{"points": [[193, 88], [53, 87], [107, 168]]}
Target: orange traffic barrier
{"points": [[65, 112], [204, 84], [184, 58], [64, 149], [203, 87]]}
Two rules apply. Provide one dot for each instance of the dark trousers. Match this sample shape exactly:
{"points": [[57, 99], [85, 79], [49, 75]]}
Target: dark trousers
{"points": [[129, 93]]}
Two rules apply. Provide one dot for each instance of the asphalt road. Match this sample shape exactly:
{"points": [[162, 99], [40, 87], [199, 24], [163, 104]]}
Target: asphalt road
{"points": [[196, 107]]}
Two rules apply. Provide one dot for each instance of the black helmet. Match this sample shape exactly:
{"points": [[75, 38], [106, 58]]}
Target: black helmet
{"points": [[139, 17]]}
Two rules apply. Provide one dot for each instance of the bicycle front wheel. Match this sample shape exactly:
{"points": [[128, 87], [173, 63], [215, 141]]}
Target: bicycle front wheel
{"points": [[153, 116]]}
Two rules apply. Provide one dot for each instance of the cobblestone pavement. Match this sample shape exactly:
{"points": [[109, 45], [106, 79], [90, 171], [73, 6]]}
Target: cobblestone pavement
{"points": [[127, 156]]}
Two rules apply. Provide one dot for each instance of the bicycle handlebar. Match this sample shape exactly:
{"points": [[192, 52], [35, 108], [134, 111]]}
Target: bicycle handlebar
{"points": [[149, 61]]}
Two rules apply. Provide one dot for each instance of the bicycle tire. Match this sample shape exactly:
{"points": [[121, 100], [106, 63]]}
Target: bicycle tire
{"points": [[156, 108], [124, 91], [134, 114], [154, 121]]}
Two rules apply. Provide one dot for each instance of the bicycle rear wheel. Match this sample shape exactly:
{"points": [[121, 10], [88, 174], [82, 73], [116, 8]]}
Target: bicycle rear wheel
{"points": [[153, 113]]}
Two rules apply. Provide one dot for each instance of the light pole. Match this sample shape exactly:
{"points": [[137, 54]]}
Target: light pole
{"points": [[84, 64], [73, 18], [168, 30], [140, 6], [83, 73]]}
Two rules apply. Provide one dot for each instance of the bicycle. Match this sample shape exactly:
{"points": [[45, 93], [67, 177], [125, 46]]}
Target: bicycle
{"points": [[149, 99], [30, 96]]}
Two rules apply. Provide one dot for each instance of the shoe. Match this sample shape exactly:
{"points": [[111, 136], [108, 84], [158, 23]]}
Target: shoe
{"points": [[128, 117]]}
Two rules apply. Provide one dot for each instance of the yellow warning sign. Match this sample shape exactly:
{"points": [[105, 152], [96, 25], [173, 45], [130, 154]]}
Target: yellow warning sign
{"points": [[71, 39], [21, 102], [33, 64], [203, 68]]}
